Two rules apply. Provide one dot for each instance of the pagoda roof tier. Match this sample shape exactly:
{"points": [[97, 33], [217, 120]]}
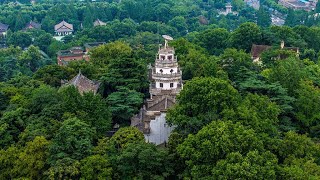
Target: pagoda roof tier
{"points": [[159, 91], [166, 50], [161, 75]]}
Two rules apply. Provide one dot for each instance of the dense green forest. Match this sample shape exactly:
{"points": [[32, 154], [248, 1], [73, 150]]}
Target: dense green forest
{"points": [[235, 119]]}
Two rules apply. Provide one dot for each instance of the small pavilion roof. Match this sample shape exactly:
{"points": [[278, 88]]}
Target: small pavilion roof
{"points": [[98, 22], [32, 25], [83, 84], [3, 27]]}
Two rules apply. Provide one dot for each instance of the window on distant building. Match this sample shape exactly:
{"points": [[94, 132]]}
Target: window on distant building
{"points": [[161, 84], [171, 84]]}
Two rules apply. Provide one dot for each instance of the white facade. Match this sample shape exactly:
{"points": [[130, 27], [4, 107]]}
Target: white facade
{"points": [[160, 130]]}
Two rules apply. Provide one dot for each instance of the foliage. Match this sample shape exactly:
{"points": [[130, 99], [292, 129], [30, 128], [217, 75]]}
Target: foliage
{"points": [[143, 161], [201, 101], [214, 142], [125, 136], [124, 104], [73, 141]]}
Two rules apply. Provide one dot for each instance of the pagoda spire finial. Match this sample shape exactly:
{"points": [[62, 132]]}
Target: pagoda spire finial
{"points": [[166, 39]]}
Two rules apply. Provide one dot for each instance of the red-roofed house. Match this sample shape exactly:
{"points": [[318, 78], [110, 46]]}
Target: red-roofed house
{"points": [[32, 25]]}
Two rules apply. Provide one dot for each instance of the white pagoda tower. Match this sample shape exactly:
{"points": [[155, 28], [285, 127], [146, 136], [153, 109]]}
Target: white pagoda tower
{"points": [[166, 83]]}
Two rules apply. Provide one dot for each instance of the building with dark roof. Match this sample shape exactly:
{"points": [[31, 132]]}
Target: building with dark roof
{"points": [[63, 28], [32, 25], [82, 83], [72, 54], [76, 53], [257, 50], [3, 29]]}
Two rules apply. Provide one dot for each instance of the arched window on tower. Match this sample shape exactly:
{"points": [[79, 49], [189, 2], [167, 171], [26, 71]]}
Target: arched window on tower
{"points": [[170, 57], [161, 71]]}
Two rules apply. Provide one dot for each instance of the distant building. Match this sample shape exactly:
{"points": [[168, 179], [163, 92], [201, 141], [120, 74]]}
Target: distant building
{"points": [[298, 4], [253, 3], [82, 83], [166, 83], [63, 28], [73, 54], [76, 53], [32, 25], [3, 29], [257, 50], [228, 10], [99, 23]]}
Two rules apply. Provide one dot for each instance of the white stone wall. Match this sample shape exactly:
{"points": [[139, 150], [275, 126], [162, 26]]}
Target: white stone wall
{"points": [[167, 70], [166, 85], [160, 130]]}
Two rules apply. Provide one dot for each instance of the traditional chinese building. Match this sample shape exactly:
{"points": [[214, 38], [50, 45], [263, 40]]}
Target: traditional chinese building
{"points": [[76, 53], [228, 10], [99, 23], [166, 83], [73, 54], [63, 28], [3, 29], [82, 83], [32, 25]]}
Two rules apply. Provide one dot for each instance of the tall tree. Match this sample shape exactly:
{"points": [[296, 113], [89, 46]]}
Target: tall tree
{"points": [[263, 17], [245, 35], [201, 101], [214, 142], [72, 141]]}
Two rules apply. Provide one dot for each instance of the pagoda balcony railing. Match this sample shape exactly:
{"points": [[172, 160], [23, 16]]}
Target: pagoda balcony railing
{"points": [[161, 75], [160, 64], [157, 91], [154, 90], [167, 60]]}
